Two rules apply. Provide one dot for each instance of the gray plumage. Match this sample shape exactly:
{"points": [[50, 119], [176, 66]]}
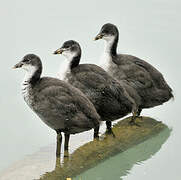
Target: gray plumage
{"points": [[62, 107], [142, 76], [108, 96], [58, 104]]}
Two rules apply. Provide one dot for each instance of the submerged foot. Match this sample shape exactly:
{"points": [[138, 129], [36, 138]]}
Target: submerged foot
{"points": [[110, 132], [133, 123], [96, 137]]}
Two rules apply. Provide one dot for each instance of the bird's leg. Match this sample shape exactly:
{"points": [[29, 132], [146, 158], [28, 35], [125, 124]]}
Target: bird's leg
{"points": [[109, 128], [96, 132], [59, 142], [67, 137], [133, 119], [138, 113]]}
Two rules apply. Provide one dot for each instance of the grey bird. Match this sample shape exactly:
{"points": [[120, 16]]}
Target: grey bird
{"points": [[61, 106], [108, 95], [142, 76]]}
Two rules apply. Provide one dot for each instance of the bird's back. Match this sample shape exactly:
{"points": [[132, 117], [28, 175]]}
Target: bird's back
{"points": [[146, 79], [156, 76]]}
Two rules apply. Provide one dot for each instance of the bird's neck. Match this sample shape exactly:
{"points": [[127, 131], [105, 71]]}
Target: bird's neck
{"points": [[111, 46], [74, 61], [68, 65], [32, 75]]}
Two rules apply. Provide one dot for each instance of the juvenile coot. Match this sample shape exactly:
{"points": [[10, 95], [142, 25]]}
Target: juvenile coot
{"points": [[107, 94], [61, 106], [147, 80]]}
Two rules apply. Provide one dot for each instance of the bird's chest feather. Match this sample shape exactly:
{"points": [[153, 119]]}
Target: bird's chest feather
{"points": [[68, 77], [26, 90]]}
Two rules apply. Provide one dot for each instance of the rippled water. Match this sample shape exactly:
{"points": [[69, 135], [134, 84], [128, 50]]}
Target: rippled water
{"points": [[149, 30]]}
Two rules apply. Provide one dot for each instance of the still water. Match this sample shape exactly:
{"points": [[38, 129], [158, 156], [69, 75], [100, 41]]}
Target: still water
{"points": [[119, 166], [149, 30]]}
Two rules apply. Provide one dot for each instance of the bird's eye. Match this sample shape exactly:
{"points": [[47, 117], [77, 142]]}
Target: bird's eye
{"points": [[26, 60], [67, 47], [106, 31]]}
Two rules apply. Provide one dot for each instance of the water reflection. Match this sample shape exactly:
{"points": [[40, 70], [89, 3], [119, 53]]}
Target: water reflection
{"points": [[120, 165]]}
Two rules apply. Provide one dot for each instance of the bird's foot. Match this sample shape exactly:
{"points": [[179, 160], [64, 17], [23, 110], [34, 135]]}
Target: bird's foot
{"points": [[110, 132], [66, 153], [96, 138]]}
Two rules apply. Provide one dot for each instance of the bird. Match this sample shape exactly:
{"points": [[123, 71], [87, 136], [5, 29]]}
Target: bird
{"points": [[142, 76], [107, 95], [58, 104]]}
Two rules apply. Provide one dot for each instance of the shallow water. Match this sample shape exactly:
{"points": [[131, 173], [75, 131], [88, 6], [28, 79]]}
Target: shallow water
{"points": [[119, 166], [36, 165], [149, 30]]}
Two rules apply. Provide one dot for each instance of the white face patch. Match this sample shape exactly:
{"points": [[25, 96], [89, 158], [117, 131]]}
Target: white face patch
{"points": [[69, 54], [28, 67], [30, 70]]}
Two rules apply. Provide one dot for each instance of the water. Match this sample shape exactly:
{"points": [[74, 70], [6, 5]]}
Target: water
{"points": [[149, 30], [119, 166]]}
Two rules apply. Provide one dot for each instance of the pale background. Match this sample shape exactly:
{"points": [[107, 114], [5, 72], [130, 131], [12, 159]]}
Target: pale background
{"points": [[148, 29]]}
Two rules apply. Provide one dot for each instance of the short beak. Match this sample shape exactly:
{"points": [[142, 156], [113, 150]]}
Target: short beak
{"points": [[58, 51], [99, 36], [18, 65]]}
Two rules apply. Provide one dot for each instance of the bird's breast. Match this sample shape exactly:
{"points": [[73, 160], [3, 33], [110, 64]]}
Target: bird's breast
{"points": [[26, 93]]}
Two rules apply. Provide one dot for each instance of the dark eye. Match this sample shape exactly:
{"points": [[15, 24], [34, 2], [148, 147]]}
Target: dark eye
{"points": [[26, 60], [67, 47], [106, 31]]}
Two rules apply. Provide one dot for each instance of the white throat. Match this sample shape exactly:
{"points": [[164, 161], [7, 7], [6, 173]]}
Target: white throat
{"points": [[30, 71], [65, 65], [106, 56], [109, 40], [26, 86], [63, 69]]}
